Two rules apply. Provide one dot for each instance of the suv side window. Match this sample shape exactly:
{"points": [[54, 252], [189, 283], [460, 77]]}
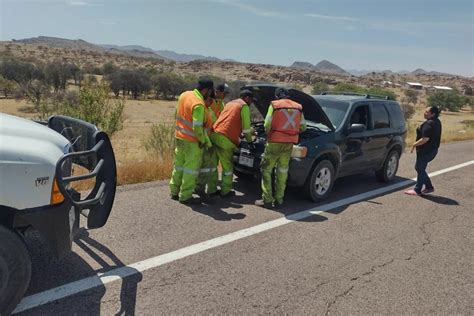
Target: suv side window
{"points": [[380, 114], [360, 115]]}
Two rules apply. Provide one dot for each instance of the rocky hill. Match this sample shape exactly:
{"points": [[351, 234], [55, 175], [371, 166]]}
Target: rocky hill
{"points": [[323, 66], [90, 56]]}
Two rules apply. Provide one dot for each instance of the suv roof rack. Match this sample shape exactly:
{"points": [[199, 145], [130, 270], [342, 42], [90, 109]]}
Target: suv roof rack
{"points": [[366, 96]]}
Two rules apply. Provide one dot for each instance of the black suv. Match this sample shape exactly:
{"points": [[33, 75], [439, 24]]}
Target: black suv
{"points": [[346, 134]]}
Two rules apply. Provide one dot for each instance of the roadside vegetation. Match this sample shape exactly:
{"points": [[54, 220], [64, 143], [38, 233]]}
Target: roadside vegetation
{"points": [[136, 105]]}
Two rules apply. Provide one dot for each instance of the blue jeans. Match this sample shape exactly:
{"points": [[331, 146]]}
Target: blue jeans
{"points": [[422, 161]]}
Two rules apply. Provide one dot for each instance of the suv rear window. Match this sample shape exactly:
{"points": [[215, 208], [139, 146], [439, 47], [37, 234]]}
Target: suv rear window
{"points": [[396, 114], [380, 115]]}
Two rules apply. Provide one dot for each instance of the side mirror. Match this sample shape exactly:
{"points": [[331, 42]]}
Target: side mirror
{"points": [[356, 128]]}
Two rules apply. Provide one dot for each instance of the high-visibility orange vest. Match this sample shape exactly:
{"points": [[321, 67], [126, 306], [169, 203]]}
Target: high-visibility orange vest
{"points": [[184, 115], [217, 106], [285, 121], [229, 122]]}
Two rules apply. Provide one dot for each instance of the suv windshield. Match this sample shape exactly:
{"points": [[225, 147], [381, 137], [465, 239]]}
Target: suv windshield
{"points": [[335, 110]]}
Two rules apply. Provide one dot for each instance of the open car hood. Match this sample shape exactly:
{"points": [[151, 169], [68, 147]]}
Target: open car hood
{"points": [[265, 93]]}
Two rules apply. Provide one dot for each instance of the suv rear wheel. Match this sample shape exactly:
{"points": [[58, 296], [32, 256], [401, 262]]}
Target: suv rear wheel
{"points": [[15, 270], [320, 183], [389, 168]]}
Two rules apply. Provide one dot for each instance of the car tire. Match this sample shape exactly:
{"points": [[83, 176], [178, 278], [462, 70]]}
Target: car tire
{"points": [[319, 185], [389, 168], [15, 270]]}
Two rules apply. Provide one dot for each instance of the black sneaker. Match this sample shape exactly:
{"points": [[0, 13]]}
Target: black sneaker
{"points": [[174, 197], [263, 204], [191, 201]]}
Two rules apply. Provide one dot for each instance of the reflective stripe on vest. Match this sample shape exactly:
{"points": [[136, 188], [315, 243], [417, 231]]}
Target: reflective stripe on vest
{"points": [[229, 122], [184, 116], [286, 121]]}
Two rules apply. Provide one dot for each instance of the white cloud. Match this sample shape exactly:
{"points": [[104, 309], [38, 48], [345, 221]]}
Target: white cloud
{"points": [[331, 17], [251, 9], [83, 3]]}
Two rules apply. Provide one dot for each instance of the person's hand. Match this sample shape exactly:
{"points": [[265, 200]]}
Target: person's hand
{"points": [[412, 148]]}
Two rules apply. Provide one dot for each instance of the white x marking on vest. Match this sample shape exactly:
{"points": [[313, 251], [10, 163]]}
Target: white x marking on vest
{"points": [[290, 118]]}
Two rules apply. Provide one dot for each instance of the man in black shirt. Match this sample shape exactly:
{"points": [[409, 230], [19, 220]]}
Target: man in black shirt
{"points": [[428, 138]]}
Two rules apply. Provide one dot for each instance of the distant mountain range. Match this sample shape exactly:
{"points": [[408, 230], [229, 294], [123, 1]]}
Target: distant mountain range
{"points": [[131, 50], [167, 54], [145, 52]]}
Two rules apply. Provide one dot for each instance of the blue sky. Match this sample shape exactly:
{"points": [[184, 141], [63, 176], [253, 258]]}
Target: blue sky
{"points": [[354, 34]]}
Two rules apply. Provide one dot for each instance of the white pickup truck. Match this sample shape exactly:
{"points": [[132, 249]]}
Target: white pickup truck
{"points": [[36, 163]]}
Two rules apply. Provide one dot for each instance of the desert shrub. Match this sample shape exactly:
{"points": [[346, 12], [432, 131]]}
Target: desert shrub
{"points": [[7, 87], [446, 100], [319, 87], [161, 140], [381, 92], [347, 87], [408, 110], [92, 104], [411, 95]]}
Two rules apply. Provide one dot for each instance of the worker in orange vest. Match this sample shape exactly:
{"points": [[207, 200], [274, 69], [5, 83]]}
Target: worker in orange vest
{"points": [[233, 121], [283, 123], [208, 176], [191, 138]]}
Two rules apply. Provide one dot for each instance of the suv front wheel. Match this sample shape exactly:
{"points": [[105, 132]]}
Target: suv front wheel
{"points": [[320, 183], [389, 168]]}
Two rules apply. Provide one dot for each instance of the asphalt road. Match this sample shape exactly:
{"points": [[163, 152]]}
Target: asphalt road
{"points": [[388, 253]]}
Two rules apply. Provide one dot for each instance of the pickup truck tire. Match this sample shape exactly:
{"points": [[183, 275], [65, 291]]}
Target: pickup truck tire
{"points": [[389, 168], [319, 185], [15, 270]]}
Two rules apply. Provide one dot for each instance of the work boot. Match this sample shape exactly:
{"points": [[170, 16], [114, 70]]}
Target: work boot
{"points": [[263, 204], [203, 195], [191, 201], [228, 194], [277, 204]]}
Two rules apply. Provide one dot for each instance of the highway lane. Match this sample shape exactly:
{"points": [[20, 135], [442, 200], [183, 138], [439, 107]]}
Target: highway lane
{"points": [[327, 262]]}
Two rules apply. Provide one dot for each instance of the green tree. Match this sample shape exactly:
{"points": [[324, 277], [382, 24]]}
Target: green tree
{"points": [[168, 85], [109, 68], [319, 87], [446, 100]]}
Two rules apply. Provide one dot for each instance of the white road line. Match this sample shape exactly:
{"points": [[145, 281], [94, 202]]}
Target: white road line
{"points": [[88, 283]]}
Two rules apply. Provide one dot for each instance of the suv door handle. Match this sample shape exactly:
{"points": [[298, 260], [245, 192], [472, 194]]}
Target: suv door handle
{"points": [[368, 139]]}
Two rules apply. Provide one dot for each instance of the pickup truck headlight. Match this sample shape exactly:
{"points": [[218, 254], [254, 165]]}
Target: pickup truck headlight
{"points": [[299, 151]]}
